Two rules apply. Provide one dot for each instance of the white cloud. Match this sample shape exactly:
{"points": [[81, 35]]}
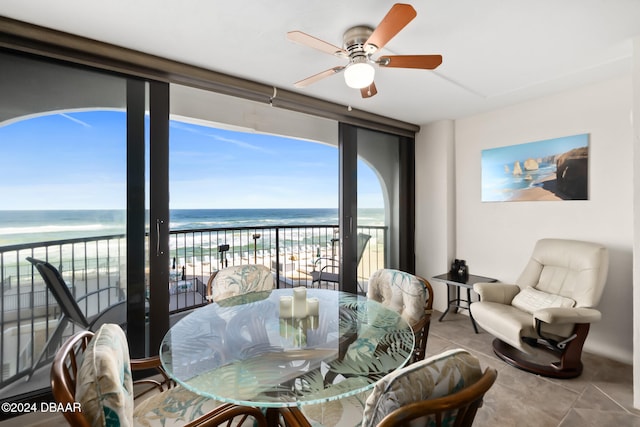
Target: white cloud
{"points": [[73, 119]]}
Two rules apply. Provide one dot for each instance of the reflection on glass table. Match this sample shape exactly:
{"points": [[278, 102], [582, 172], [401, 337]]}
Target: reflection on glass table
{"points": [[251, 350]]}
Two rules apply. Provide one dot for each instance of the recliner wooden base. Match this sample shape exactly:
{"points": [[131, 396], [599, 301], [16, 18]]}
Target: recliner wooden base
{"points": [[514, 357], [569, 365]]}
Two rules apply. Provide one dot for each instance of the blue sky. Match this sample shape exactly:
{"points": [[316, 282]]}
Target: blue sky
{"points": [[508, 155], [77, 160]]}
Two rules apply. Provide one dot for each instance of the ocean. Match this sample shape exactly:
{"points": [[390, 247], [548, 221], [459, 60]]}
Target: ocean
{"points": [[18, 227], [499, 185]]}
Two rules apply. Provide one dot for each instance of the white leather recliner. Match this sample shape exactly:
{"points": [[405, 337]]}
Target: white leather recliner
{"points": [[550, 307]]}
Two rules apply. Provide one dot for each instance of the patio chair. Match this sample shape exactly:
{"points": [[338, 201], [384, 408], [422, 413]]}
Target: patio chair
{"points": [[92, 376], [327, 270], [71, 312], [409, 295]]}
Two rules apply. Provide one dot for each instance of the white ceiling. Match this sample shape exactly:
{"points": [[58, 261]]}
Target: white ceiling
{"points": [[495, 52]]}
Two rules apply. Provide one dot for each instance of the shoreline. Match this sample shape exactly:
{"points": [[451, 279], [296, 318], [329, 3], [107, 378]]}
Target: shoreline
{"points": [[543, 190]]}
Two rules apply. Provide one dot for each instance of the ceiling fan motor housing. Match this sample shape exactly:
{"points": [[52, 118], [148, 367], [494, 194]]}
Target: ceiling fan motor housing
{"points": [[354, 41]]}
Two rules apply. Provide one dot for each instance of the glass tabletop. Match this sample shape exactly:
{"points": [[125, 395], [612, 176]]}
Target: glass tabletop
{"points": [[252, 350]]}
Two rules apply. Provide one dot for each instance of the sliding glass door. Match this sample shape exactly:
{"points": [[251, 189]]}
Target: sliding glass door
{"points": [[377, 207], [63, 144], [230, 156], [378, 211]]}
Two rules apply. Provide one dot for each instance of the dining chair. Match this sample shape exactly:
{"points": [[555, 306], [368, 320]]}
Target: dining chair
{"points": [[92, 374], [238, 280], [443, 390], [409, 295], [327, 270]]}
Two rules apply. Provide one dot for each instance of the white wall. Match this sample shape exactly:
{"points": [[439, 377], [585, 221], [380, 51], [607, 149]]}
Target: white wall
{"points": [[496, 239], [636, 246], [435, 204]]}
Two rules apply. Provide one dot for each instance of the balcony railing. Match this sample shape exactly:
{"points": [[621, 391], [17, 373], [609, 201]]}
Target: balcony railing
{"points": [[29, 313]]}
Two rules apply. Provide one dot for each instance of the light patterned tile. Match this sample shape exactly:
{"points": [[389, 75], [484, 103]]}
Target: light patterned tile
{"points": [[601, 396], [595, 418], [502, 407], [536, 392], [594, 398]]}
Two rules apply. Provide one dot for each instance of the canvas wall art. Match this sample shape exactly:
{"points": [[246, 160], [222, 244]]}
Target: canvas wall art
{"points": [[553, 169]]}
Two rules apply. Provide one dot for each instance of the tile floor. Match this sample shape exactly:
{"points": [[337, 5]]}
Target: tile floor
{"points": [[601, 396]]}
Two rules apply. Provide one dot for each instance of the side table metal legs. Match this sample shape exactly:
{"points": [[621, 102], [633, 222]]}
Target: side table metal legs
{"points": [[473, 321], [456, 304]]}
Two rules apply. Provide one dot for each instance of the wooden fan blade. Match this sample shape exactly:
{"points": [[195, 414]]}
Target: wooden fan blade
{"points": [[307, 40], [369, 91], [425, 62], [326, 73], [396, 19]]}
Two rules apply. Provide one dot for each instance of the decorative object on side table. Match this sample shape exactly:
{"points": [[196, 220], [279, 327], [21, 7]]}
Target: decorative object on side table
{"points": [[460, 269]]}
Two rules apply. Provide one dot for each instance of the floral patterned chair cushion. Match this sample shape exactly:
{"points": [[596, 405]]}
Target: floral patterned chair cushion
{"points": [[430, 378], [104, 385], [399, 291], [104, 388], [345, 412], [409, 295], [172, 408], [239, 279]]}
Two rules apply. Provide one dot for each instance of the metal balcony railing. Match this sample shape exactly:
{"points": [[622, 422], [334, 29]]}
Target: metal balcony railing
{"points": [[29, 313], [289, 251]]}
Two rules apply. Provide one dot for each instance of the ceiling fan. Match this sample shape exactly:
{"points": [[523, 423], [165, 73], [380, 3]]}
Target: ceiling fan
{"points": [[360, 44]]}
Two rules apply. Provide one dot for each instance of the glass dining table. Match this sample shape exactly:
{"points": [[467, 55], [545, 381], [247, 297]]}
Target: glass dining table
{"points": [[256, 350]]}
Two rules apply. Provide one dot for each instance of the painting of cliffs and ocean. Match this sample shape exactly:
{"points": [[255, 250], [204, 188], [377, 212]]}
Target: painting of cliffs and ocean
{"points": [[553, 169]]}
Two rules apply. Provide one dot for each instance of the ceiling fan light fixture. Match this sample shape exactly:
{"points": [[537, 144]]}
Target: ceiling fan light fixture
{"points": [[359, 44], [358, 75]]}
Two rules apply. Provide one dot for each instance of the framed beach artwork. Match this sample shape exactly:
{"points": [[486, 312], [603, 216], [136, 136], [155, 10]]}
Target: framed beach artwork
{"points": [[553, 169]]}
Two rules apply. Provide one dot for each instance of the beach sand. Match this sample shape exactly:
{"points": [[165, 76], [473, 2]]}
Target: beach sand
{"points": [[545, 192], [293, 271]]}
